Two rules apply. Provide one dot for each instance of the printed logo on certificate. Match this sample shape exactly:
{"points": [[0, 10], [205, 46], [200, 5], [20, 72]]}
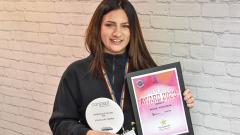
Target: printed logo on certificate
{"points": [[103, 114], [157, 101]]}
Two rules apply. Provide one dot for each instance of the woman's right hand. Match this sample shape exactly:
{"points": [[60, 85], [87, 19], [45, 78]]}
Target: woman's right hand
{"points": [[92, 132]]}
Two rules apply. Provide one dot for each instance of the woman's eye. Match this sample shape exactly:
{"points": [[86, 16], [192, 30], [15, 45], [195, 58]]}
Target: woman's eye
{"points": [[108, 25], [125, 26]]}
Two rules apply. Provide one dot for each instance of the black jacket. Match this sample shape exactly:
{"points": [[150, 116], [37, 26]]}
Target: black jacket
{"points": [[78, 88]]}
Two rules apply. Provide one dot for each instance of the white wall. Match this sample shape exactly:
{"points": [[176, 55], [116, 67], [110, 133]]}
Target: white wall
{"points": [[39, 38]]}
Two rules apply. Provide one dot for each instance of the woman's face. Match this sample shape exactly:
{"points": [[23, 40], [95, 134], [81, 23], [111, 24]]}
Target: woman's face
{"points": [[115, 33]]}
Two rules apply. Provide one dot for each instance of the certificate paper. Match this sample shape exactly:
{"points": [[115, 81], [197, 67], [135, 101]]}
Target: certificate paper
{"points": [[157, 100]]}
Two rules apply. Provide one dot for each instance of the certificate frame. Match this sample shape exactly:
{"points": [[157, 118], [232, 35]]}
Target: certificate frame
{"points": [[163, 112]]}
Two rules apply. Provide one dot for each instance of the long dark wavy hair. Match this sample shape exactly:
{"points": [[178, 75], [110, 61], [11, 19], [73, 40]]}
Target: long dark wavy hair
{"points": [[139, 57]]}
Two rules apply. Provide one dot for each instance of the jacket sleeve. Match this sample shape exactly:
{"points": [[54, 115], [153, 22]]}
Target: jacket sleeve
{"points": [[65, 119]]}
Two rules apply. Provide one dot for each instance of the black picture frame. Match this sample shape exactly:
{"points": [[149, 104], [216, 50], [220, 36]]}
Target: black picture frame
{"points": [[175, 66]]}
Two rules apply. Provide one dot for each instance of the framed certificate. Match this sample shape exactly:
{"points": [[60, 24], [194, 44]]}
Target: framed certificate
{"points": [[157, 100]]}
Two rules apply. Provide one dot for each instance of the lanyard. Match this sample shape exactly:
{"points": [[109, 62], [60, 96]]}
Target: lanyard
{"points": [[110, 89]]}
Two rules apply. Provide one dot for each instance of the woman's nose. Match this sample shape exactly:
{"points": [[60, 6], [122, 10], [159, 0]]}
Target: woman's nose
{"points": [[117, 32]]}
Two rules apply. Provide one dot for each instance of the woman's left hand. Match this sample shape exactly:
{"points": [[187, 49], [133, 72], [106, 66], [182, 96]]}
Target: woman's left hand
{"points": [[188, 97]]}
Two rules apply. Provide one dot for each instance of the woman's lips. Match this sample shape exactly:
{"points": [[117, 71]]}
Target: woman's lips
{"points": [[116, 41]]}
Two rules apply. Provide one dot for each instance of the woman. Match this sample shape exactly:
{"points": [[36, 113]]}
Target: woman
{"points": [[114, 39]]}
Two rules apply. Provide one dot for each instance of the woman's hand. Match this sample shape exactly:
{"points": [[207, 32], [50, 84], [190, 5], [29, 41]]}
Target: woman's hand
{"points": [[188, 97], [91, 132]]}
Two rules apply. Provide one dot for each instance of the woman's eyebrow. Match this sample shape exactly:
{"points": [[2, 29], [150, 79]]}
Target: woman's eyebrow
{"points": [[125, 23], [115, 22], [110, 22]]}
